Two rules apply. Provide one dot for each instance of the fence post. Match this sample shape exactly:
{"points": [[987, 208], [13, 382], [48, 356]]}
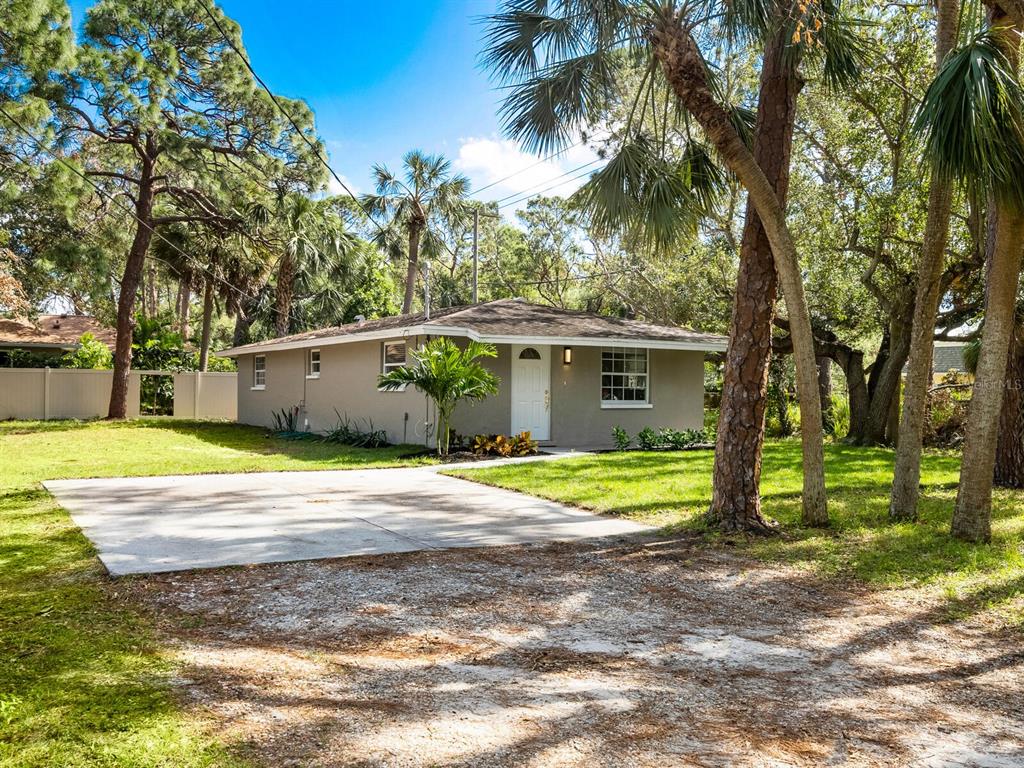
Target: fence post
{"points": [[196, 388], [46, 393]]}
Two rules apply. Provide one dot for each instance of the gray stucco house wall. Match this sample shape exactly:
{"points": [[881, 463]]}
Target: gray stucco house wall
{"points": [[571, 400]]}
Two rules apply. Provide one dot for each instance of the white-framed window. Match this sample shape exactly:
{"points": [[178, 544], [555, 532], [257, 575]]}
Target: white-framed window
{"points": [[393, 355], [313, 364], [259, 372], [625, 378]]}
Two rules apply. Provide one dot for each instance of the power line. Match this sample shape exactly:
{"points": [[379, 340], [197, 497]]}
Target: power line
{"points": [[538, 193], [547, 183], [288, 117], [117, 201], [543, 160], [323, 161]]}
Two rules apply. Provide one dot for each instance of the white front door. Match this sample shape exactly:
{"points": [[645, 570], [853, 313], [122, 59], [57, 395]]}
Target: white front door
{"points": [[531, 390]]}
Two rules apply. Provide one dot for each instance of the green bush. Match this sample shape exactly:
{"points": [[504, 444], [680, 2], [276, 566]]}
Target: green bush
{"points": [[647, 439], [286, 421], [91, 353], [840, 416], [664, 439], [348, 432], [522, 444]]}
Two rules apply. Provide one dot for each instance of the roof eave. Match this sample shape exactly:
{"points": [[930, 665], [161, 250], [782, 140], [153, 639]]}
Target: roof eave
{"points": [[696, 345]]}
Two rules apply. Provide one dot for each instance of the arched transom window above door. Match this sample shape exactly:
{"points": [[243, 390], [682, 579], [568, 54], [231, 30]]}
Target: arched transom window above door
{"points": [[529, 354]]}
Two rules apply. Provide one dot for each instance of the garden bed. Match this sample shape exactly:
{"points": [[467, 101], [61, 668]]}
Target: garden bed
{"points": [[462, 457]]}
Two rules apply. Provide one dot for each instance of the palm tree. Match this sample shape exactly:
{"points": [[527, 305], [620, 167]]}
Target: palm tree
{"points": [[562, 64], [447, 375], [973, 113], [420, 204], [311, 238], [903, 503]]}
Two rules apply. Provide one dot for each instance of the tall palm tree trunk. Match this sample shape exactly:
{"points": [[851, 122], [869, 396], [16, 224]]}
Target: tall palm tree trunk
{"points": [[283, 295], [736, 496], [903, 502], [973, 511], [685, 71], [204, 344], [1009, 469], [412, 271]]}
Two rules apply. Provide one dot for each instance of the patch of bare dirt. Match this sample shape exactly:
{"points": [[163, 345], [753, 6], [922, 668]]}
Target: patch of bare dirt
{"points": [[632, 653]]}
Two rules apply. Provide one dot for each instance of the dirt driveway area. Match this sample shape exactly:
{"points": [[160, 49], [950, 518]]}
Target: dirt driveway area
{"points": [[625, 652]]}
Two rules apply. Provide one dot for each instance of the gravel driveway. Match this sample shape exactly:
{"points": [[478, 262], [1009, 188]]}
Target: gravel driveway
{"points": [[637, 653]]}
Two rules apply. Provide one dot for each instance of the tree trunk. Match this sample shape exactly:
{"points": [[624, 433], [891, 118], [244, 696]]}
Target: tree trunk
{"points": [[973, 511], [130, 281], [243, 321], [828, 422], [886, 380], [736, 494], [892, 426], [186, 306], [1009, 470], [685, 71], [283, 295], [907, 477], [204, 345], [412, 270], [152, 303], [778, 395], [971, 516]]}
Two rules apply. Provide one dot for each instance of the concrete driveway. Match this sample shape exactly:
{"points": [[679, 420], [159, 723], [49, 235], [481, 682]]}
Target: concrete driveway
{"points": [[154, 524]]}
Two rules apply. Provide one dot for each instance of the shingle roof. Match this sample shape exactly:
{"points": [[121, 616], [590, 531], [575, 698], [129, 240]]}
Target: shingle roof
{"points": [[56, 331], [502, 320], [948, 356]]}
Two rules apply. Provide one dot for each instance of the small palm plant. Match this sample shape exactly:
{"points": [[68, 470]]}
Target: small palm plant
{"points": [[447, 375]]}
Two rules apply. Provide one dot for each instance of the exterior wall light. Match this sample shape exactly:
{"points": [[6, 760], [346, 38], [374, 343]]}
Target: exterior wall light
{"points": [[567, 355]]}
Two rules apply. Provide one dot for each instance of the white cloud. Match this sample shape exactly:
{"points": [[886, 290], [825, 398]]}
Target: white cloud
{"points": [[334, 188], [504, 169]]}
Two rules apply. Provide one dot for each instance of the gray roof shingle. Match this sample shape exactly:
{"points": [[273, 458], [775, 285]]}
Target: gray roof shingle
{"points": [[502, 319]]}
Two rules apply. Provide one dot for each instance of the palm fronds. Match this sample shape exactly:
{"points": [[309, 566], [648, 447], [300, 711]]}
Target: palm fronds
{"points": [[971, 116], [653, 198]]}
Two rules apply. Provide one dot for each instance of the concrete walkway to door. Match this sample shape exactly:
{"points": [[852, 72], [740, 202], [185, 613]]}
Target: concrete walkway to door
{"points": [[153, 524]]}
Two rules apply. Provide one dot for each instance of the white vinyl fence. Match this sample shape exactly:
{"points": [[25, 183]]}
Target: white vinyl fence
{"points": [[69, 393]]}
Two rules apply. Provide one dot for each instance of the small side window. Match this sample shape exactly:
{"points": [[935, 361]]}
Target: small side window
{"points": [[259, 372], [394, 356], [313, 368]]}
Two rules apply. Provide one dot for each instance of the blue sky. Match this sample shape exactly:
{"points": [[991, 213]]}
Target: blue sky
{"points": [[387, 77]]}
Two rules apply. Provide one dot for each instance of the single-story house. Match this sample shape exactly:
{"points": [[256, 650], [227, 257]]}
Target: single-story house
{"points": [[50, 334], [567, 377]]}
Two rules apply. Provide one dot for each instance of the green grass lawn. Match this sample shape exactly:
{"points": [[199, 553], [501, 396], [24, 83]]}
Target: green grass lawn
{"points": [[82, 682], [674, 490]]}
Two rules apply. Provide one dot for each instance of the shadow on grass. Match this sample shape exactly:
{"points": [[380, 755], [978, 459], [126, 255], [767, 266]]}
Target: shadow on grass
{"points": [[81, 681], [675, 489], [259, 440]]}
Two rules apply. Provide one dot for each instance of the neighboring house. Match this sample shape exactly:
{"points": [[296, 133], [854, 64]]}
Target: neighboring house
{"points": [[49, 335], [948, 356], [567, 377]]}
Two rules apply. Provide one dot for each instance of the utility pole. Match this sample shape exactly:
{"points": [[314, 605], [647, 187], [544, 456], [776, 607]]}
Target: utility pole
{"points": [[476, 253], [476, 249]]}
